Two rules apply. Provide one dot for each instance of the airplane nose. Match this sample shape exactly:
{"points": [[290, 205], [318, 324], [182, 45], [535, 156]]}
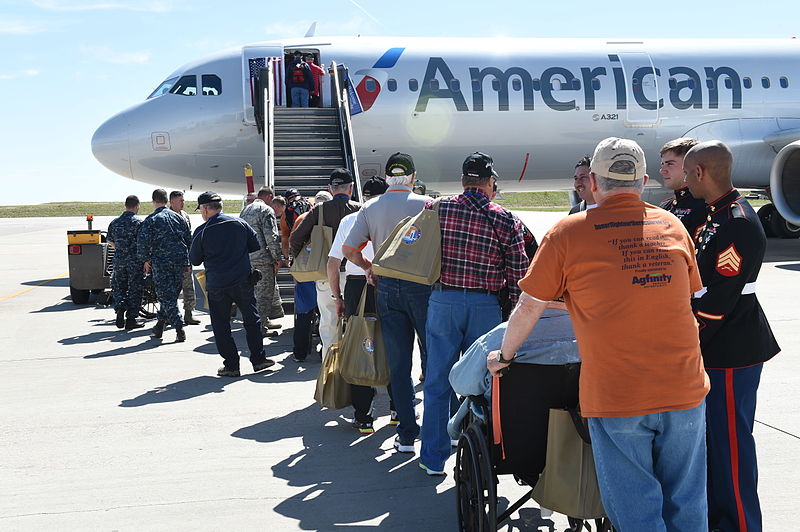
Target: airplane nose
{"points": [[111, 148]]}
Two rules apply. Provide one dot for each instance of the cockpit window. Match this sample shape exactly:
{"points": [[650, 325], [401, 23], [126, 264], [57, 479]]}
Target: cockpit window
{"points": [[212, 85], [186, 86], [163, 88]]}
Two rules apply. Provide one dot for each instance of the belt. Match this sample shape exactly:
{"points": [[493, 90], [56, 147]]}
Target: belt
{"points": [[749, 288], [442, 286], [362, 277]]}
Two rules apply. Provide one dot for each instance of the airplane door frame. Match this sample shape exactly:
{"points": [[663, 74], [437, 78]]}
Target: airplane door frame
{"points": [[254, 54], [635, 114]]}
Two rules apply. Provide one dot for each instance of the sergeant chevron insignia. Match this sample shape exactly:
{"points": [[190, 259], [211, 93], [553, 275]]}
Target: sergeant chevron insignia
{"points": [[729, 262]]}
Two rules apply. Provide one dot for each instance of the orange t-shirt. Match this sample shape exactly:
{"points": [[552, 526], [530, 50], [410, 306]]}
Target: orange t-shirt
{"points": [[627, 270]]}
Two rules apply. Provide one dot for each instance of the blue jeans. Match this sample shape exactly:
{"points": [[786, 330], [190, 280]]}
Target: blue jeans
{"points": [[299, 97], [651, 470], [455, 320], [403, 309], [219, 306]]}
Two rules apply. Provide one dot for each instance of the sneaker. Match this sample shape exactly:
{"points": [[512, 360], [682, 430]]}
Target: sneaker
{"points": [[263, 365], [225, 372], [431, 472], [393, 421], [363, 428], [402, 447]]}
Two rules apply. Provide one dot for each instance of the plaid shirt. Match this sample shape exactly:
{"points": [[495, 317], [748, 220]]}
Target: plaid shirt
{"points": [[472, 257]]}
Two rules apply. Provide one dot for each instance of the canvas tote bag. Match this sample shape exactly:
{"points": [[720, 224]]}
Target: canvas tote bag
{"points": [[332, 390], [363, 354], [311, 264], [413, 251], [568, 483]]}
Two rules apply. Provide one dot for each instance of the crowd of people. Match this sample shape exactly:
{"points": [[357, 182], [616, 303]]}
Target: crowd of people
{"points": [[669, 330]]}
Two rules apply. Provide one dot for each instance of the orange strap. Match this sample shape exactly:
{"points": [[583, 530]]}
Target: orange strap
{"points": [[497, 429]]}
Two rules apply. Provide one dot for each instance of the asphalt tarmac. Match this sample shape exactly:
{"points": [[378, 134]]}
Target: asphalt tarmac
{"points": [[104, 429]]}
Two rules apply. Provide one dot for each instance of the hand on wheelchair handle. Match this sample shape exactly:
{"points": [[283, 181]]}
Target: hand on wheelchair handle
{"points": [[495, 367]]}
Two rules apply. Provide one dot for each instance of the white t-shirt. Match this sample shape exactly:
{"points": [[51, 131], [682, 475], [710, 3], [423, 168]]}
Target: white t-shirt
{"points": [[345, 225]]}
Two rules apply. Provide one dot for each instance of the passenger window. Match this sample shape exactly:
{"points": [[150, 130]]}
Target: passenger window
{"points": [[476, 86], [413, 85], [391, 84], [784, 82], [370, 85], [555, 84], [765, 82], [163, 88], [434, 84], [496, 84], [516, 84], [748, 83], [576, 84], [537, 84], [595, 84], [455, 85], [691, 84], [212, 85], [673, 83], [186, 86], [710, 83]]}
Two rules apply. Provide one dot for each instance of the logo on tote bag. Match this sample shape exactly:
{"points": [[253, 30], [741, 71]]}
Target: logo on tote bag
{"points": [[369, 345], [412, 235]]}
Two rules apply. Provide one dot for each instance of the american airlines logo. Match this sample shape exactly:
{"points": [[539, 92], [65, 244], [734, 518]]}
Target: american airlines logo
{"points": [[729, 262]]}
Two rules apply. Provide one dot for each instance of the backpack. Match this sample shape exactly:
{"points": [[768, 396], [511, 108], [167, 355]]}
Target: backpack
{"points": [[294, 209], [298, 74]]}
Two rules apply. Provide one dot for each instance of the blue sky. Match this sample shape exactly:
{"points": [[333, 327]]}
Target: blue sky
{"points": [[67, 65]]}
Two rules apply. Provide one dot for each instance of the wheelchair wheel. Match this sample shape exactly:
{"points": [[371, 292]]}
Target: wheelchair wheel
{"points": [[150, 305], [475, 485]]}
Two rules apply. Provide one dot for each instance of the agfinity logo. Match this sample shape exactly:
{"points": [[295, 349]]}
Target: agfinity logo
{"points": [[652, 278]]}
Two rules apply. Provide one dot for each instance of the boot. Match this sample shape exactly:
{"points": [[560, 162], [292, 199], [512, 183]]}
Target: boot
{"points": [[158, 330], [180, 334], [120, 319], [188, 319], [131, 322]]}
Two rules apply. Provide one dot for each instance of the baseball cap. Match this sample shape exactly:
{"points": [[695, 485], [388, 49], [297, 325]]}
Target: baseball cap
{"points": [[207, 197], [292, 192], [322, 196], [617, 158], [400, 164], [340, 176], [478, 165], [374, 186]]}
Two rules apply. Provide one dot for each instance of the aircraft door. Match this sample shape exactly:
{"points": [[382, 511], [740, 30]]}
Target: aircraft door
{"points": [[254, 58], [643, 97]]}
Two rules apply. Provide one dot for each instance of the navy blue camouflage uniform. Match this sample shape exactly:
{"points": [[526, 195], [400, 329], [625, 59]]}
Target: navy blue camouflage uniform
{"points": [[164, 240], [126, 278]]}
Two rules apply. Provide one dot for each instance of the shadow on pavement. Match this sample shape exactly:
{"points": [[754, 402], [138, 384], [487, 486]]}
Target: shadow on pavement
{"points": [[112, 335], [349, 479], [62, 282], [190, 388], [793, 267]]}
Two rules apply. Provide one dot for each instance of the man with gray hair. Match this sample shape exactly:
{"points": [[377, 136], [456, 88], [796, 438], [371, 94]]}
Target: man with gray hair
{"points": [[341, 187], [267, 260], [402, 305], [626, 270]]}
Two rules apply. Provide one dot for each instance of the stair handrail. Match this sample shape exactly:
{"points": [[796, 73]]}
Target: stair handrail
{"points": [[342, 103], [269, 133]]}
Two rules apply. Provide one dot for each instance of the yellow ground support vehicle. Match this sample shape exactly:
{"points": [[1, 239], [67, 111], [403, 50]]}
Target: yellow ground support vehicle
{"points": [[90, 264]]}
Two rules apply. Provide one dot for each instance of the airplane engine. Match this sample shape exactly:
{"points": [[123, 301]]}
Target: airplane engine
{"points": [[785, 190]]}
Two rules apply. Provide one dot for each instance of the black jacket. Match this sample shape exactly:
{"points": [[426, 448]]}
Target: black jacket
{"points": [[734, 331], [690, 211]]}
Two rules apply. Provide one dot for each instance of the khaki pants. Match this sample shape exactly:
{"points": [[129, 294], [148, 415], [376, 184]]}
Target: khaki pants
{"points": [[189, 298]]}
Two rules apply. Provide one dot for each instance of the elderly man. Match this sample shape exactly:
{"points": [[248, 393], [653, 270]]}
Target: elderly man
{"points": [[483, 251], [735, 336], [176, 204], [402, 305], [626, 270], [689, 210], [582, 188], [163, 246], [341, 187], [224, 244], [267, 260]]}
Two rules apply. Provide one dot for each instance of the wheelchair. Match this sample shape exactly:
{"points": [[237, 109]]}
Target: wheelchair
{"points": [[150, 304], [527, 393]]}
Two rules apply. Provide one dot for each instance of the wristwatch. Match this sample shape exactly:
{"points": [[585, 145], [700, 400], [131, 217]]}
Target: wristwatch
{"points": [[335, 296], [500, 360]]}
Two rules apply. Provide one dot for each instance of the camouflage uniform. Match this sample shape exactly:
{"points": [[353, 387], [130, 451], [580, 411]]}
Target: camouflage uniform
{"points": [[126, 279], [164, 240], [261, 218], [189, 298]]}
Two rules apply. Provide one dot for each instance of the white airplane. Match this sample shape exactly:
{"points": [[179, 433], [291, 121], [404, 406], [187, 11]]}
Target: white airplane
{"points": [[535, 105]]}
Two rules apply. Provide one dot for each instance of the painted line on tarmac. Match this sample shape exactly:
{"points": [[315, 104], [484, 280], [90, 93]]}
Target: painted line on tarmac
{"points": [[15, 294]]}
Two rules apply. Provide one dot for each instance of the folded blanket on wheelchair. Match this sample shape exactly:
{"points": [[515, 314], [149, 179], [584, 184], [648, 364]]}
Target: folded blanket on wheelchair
{"points": [[552, 342]]}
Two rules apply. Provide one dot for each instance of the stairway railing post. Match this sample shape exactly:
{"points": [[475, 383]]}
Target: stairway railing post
{"points": [[269, 119]]}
